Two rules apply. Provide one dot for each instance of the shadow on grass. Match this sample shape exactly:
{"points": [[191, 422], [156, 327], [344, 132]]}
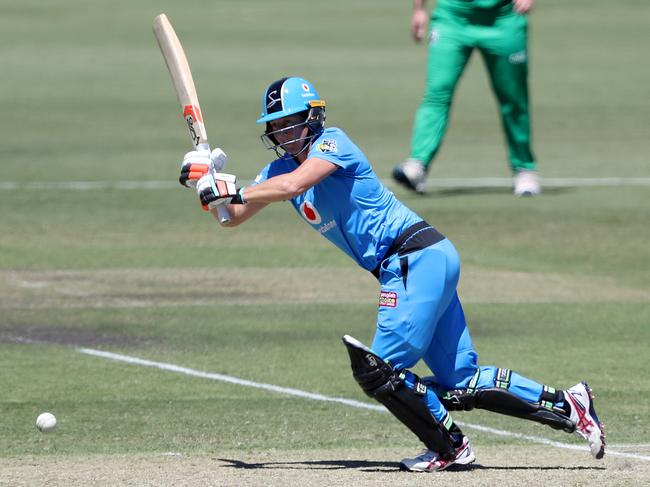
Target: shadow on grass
{"points": [[364, 465], [373, 466]]}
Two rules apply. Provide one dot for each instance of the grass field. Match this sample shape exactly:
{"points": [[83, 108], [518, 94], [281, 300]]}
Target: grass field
{"points": [[556, 287]]}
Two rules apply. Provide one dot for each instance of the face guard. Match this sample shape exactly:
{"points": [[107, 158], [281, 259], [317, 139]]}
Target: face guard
{"points": [[288, 97], [314, 121]]}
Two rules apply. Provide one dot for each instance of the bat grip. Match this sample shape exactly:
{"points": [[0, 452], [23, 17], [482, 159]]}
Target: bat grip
{"points": [[222, 211], [223, 214]]}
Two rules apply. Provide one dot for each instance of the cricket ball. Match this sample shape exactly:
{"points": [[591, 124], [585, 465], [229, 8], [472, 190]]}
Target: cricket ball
{"points": [[46, 422]]}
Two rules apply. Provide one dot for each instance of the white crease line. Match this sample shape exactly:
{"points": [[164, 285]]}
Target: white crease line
{"points": [[229, 379], [628, 446], [319, 397], [487, 182], [432, 183]]}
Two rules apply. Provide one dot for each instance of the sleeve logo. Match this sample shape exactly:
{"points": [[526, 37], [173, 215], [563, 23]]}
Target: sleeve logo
{"points": [[327, 145]]}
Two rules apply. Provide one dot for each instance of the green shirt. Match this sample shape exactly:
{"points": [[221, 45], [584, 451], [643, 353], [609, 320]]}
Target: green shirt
{"points": [[466, 5]]}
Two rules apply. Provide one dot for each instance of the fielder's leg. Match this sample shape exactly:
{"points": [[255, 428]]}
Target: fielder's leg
{"points": [[505, 52], [449, 51]]}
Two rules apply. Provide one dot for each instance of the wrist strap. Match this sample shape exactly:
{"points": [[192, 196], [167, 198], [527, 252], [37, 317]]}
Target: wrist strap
{"points": [[239, 199]]}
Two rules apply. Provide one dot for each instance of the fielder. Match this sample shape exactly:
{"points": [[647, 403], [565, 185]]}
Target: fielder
{"points": [[499, 30], [331, 184]]}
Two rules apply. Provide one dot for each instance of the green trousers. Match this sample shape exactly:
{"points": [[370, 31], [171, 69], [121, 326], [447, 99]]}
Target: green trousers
{"points": [[501, 37]]}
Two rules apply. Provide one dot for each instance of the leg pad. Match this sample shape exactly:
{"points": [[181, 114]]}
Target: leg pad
{"points": [[380, 381], [504, 402]]}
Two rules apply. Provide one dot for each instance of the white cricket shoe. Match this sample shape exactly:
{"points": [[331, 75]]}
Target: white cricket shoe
{"points": [[581, 402], [526, 183], [412, 175], [430, 461]]}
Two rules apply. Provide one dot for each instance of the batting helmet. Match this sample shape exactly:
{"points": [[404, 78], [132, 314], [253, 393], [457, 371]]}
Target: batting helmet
{"points": [[287, 96]]}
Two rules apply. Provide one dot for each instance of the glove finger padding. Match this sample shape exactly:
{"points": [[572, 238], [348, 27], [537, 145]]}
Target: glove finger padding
{"points": [[194, 166], [216, 189], [191, 173]]}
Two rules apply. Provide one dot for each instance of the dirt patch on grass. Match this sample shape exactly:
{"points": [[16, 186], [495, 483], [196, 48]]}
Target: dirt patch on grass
{"points": [[21, 289], [67, 336], [503, 466]]}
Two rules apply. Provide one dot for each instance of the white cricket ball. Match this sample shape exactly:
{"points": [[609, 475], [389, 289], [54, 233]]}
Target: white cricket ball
{"points": [[46, 422]]}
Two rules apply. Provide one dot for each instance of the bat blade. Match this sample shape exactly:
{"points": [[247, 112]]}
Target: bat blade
{"points": [[181, 74]]}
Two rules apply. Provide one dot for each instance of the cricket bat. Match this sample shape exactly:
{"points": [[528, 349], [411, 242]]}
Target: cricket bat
{"points": [[181, 75]]}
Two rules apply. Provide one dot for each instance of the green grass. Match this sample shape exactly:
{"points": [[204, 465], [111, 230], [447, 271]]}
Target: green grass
{"points": [[87, 98]]}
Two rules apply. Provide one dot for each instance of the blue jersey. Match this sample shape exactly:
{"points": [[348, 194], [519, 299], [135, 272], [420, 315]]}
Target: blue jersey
{"points": [[350, 207]]}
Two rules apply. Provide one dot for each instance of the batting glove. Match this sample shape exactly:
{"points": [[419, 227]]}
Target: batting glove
{"points": [[216, 188], [196, 164]]}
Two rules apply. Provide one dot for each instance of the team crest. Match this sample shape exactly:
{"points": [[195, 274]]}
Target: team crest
{"points": [[309, 212], [327, 145]]}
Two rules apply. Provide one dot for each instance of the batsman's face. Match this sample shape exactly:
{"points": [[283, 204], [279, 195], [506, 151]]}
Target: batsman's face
{"points": [[290, 132]]}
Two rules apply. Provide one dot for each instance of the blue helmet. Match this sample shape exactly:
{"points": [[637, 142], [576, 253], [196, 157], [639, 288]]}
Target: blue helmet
{"points": [[287, 96]]}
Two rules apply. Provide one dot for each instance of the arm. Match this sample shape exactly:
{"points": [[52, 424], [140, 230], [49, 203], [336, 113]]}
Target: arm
{"points": [[419, 20], [523, 6], [279, 188]]}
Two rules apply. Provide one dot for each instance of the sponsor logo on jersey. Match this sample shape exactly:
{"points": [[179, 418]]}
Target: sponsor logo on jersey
{"points": [[327, 145], [327, 227], [517, 57], [388, 299], [310, 213]]}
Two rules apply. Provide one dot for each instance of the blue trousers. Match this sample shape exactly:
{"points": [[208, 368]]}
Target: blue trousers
{"points": [[420, 318]]}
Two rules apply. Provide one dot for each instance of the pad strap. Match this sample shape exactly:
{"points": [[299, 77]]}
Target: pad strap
{"points": [[500, 400]]}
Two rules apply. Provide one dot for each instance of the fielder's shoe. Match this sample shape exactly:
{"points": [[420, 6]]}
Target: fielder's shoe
{"points": [[581, 404], [526, 183], [411, 174], [429, 461]]}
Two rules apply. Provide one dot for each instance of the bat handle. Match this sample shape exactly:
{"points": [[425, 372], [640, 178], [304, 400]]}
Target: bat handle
{"points": [[223, 214], [222, 211]]}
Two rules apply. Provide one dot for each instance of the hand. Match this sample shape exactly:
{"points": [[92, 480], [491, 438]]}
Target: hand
{"points": [[419, 23], [523, 6], [197, 163], [216, 189]]}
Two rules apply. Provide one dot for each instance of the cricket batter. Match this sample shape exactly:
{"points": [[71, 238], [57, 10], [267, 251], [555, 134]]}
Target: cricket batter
{"points": [[499, 30], [332, 186]]}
